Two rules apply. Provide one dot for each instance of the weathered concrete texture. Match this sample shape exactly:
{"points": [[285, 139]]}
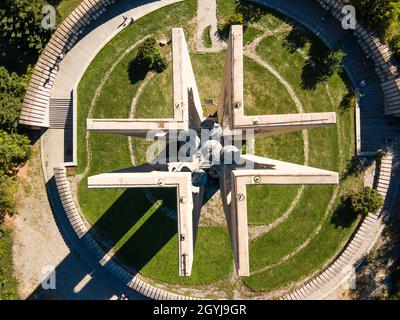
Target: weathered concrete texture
{"points": [[231, 109], [182, 181], [262, 171], [187, 104]]}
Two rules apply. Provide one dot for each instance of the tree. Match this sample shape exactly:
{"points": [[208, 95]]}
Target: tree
{"points": [[250, 12], [14, 150], [12, 91], [149, 56], [21, 24], [234, 19], [383, 16], [333, 62], [366, 201]]}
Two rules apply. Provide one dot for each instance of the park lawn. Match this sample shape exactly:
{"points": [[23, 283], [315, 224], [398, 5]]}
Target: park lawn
{"points": [[266, 203], [8, 283], [65, 7], [330, 148], [157, 23], [137, 228], [140, 231]]}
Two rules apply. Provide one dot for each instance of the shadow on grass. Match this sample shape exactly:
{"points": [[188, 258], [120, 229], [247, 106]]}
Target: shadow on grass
{"points": [[137, 71], [139, 227], [318, 67], [296, 39], [251, 13], [344, 216]]}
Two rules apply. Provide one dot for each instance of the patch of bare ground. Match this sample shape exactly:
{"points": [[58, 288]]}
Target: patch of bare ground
{"points": [[37, 241], [212, 213]]}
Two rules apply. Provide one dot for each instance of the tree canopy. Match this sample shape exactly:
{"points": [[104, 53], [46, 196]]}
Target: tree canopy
{"points": [[366, 201], [149, 56], [21, 24], [383, 16], [14, 150], [12, 90]]}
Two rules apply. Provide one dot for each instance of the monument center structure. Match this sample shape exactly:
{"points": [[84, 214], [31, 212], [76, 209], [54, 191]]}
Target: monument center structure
{"points": [[198, 146]]}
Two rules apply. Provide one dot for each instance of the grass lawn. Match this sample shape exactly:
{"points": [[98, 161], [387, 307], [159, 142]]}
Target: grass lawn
{"points": [[338, 225], [65, 7], [139, 230], [8, 283]]}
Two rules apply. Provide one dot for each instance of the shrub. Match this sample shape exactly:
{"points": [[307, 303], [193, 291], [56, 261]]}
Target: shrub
{"points": [[380, 155], [150, 57], [368, 200], [349, 101], [234, 19]]}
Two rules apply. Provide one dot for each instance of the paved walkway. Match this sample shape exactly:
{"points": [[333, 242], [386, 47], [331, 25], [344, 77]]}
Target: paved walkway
{"points": [[207, 16]]}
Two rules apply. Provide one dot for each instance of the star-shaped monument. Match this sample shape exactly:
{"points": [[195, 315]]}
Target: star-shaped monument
{"points": [[199, 146]]}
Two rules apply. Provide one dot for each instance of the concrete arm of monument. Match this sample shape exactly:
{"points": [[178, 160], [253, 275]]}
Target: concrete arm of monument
{"points": [[135, 127], [260, 170], [231, 114], [186, 94], [267, 125], [186, 107], [257, 171], [182, 181]]}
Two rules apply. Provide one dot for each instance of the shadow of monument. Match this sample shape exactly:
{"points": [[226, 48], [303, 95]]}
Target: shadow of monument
{"points": [[139, 231]]}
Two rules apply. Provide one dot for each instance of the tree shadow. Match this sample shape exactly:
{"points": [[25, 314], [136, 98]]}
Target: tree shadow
{"points": [[251, 13], [137, 71], [318, 66], [297, 38], [344, 216]]}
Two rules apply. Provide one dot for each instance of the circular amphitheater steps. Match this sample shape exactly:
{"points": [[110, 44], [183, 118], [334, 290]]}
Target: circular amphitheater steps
{"points": [[35, 107], [35, 112]]}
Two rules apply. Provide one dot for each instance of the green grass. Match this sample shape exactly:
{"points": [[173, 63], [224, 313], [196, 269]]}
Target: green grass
{"points": [[250, 34], [206, 37], [156, 99], [338, 225], [156, 23], [8, 283], [65, 7], [138, 229]]}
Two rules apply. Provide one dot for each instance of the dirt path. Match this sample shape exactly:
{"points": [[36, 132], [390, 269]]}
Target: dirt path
{"points": [[207, 16]]}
